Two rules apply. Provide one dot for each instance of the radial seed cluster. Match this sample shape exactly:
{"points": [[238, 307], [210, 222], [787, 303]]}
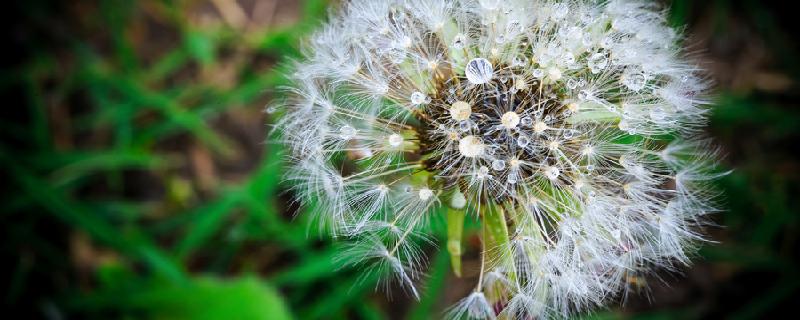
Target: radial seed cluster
{"points": [[567, 128]]}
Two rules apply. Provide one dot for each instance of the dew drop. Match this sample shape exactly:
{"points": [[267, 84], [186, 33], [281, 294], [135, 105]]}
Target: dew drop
{"points": [[634, 79], [526, 121], [418, 98], [459, 41], [567, 59], [552, 173], [483, 171], [572, 84], [597, 62], [425, 194], [498, 165], [347, 132], [395, 140], [523, 141], [538, 73], [479, 71], [520, 61]]}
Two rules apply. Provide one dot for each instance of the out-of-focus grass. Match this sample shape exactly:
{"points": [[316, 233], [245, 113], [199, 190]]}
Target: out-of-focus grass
{"points": [[140, 182], [116, 158]]}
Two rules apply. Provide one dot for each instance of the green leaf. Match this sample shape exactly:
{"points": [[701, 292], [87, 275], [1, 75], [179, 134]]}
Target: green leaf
{"points": [[434, 290], [132, 243], [202, 298], [201, 47], [315, 266], [209, 219]]}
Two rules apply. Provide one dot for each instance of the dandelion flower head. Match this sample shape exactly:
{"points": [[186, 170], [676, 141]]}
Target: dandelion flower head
{"points": [[568, 129]]}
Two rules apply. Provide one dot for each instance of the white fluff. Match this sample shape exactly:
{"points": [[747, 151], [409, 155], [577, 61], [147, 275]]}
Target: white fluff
{"points": [[554, 110]]}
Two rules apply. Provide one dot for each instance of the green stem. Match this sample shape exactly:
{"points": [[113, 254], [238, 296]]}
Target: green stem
{"points": [[455, 230]]}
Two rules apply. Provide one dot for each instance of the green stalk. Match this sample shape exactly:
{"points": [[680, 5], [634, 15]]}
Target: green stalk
{"points": [[455, 230]]}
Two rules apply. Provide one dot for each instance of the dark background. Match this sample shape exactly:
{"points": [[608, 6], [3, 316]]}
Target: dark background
{"points": [[138, 180]]}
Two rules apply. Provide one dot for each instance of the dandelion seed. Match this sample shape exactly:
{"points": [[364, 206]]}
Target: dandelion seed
{"points": [[460, 111], [510, 120], [539, 127], [470, 146]]}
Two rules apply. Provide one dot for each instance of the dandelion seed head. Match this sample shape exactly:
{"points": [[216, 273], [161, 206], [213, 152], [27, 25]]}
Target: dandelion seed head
{"points": [[553, 112]]}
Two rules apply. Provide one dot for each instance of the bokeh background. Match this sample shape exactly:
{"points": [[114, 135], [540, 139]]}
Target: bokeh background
{"points": [[138, 180]]}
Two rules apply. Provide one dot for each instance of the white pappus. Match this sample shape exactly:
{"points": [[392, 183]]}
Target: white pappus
{"points": [[568, 128]]}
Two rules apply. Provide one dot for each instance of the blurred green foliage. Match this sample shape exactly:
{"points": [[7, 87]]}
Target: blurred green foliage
{"points": [[112, 207]]}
